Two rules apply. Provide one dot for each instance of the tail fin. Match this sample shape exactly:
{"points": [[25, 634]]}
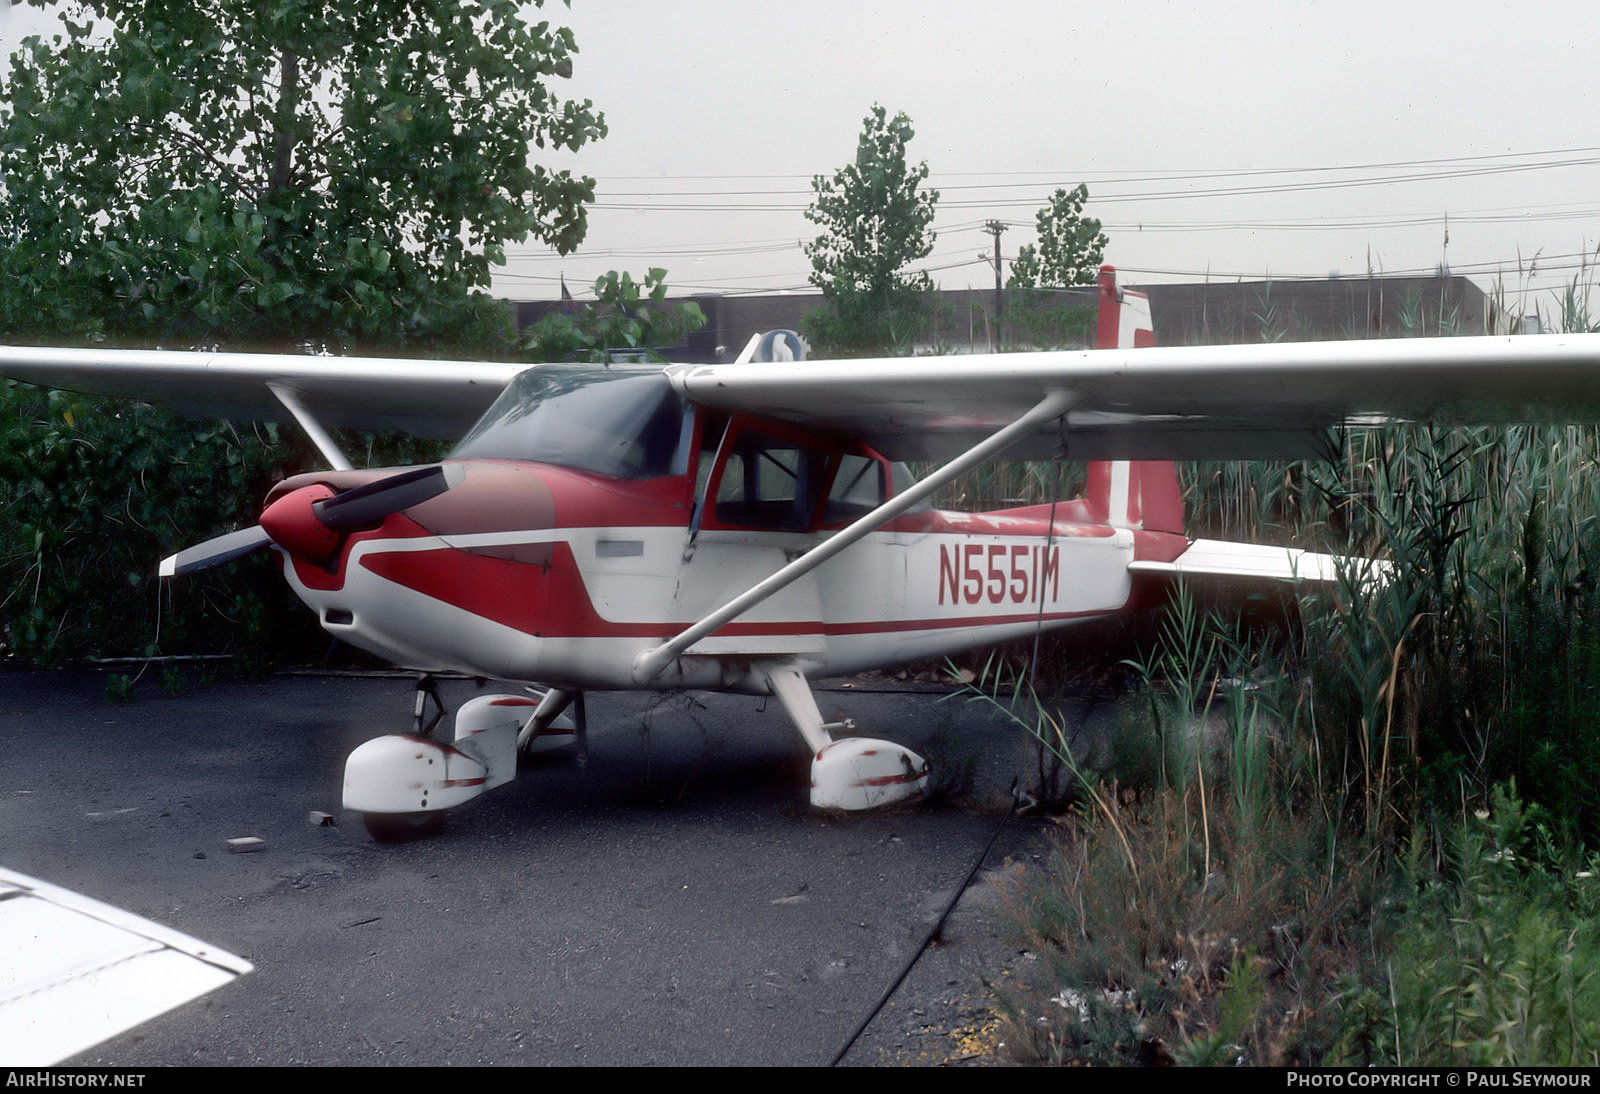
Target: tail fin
{"points": [[1141, 495], [1131, 495], [1124, 316]]}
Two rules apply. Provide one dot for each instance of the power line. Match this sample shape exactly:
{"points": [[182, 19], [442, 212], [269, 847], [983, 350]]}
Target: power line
{"points": [[1448, 170], [990, 192], [1160, 174]]}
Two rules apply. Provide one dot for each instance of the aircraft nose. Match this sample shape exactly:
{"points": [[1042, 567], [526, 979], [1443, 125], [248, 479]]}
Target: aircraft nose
{"points": [[309, 521], [293, 524]]}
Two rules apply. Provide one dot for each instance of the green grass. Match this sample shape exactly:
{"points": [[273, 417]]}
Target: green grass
{"points": [[1496, 961], [1333, 867]]}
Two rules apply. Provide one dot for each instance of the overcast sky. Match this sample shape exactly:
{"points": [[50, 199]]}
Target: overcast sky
{"points": [[1238, 139]]}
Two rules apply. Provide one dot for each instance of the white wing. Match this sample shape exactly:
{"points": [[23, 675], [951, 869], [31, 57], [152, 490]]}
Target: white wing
{"points": [[1152, 403], [74, 971], [1159, 402], [428, 398]]}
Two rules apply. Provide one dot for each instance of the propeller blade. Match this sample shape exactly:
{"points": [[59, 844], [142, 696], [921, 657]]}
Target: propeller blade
{"points": [[367, 505], [214, 552], [362, 507]]}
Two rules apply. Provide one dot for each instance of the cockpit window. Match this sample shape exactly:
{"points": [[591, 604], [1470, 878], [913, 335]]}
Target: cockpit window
{"points": [[628, 425], [769, 482]]}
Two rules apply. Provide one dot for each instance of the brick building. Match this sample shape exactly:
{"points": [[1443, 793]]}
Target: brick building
{"points": [[1209, 313]]}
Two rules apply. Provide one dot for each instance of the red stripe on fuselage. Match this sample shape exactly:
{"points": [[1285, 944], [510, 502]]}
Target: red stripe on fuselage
{"points": [[586, 500], [956, 622], [544, 601], [501, 496], [557, 605]]}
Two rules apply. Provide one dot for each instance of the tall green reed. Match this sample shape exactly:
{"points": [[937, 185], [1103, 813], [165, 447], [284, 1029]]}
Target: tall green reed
{"points": [[1193, 907]]}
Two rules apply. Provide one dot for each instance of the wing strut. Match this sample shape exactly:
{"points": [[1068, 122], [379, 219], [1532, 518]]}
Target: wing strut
{"points": [[290, 398], [650, 663]]}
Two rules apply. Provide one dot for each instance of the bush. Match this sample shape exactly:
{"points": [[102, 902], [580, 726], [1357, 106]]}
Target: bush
{"points": [[1496, 963], [94, 493]]}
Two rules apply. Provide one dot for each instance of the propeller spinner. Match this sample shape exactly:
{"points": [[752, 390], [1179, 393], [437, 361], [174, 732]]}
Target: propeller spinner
{"points": [[309, 522]]}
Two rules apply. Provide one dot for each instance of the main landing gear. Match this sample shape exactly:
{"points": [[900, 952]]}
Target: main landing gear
{"points": [[852, 772], [402, 785]]}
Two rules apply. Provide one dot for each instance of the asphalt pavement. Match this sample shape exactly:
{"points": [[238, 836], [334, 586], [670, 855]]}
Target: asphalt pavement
{"points": [[671, 901]]}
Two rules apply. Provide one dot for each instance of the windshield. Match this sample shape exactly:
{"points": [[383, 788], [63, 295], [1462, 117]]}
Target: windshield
{"points": [[625, 424]]}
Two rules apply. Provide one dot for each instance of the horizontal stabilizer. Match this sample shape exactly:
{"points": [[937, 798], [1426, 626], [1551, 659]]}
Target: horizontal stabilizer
{"points": [[1219, 559]]}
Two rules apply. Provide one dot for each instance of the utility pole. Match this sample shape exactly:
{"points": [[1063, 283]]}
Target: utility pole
{"points": [[994, 228]]}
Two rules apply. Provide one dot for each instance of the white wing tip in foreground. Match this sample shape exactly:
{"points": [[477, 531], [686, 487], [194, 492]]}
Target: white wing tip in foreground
{"points": [[75, 971]]}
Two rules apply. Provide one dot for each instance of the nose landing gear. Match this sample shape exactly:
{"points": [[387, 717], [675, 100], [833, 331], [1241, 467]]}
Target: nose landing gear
{"points": [[404, 784]]}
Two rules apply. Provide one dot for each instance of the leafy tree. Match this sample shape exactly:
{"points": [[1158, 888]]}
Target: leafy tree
{"points": [[875, 221], [626, 316], [1036, 320], [96, 491], [282, 172], [1070, 248]]}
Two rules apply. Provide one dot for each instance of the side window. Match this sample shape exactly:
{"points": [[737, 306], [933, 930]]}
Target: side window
{"points": [[769, 482], [857, 489], [902, 479], [711, 431]]}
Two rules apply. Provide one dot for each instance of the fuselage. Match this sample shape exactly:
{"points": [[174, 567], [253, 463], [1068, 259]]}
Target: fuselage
{"points": [[599, 515]]}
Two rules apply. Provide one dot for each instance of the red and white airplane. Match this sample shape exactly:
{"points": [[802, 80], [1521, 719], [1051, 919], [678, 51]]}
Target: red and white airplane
{"points": [[746, 527]]}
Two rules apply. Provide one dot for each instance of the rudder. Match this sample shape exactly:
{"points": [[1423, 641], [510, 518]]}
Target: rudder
{"points": [[1143, 494]]}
